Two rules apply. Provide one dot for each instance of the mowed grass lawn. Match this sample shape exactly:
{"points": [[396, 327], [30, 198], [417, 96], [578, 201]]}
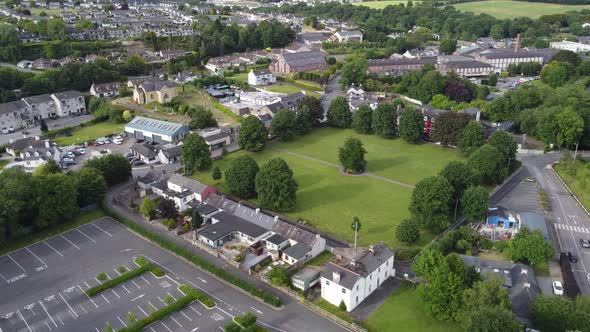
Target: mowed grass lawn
{"points": [[578, 183], [329, 200], [89, 133], [380, 4], [503, 9], [403, 311]]}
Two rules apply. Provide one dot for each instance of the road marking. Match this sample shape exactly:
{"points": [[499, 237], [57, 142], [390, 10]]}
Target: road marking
{"points": [[86, 312], [15, 262], [125, 288], [54, 323], [187, 317], [91, 239], [59, 253], [125, 250], [87, 285], [572, 228], [97, 330], [4, 280], [151, 328], [202, 280], [133, 281], [221, 328], [176, 321], [145, 313], [112, 290], [72, 243], [159, 298], [144, 279], [195, 310], [107, 233], [46, 324], [272, 327], [137, 298], [166, 326], [21, 317], [68, 304], [40, 260], [258, 311], [120, 320], [171, 296], [105, 298], [196, 328]]}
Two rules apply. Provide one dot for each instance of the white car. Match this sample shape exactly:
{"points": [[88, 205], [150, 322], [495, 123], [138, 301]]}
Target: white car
{"points": [[557, 288], [82, 151], [70, 154], [118, 142]]}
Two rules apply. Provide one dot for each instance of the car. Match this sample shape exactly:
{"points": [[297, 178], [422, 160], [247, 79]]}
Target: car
{"points": [[71, 154], [557, 288], [118, 137], [67, 160], [138, 163], [18, 159], [571, 257], [585, 243], [76, 153], [25, 132], [118, 141], [82, 151], [128, 154], [5, 130]]}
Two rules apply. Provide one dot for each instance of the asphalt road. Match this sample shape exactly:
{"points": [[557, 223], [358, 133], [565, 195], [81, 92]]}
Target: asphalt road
{"points": [[568, 219], [331, 91], [43, 286]]}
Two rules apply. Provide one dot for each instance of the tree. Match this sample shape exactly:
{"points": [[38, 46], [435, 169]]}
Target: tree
{"points": [[492, 79], [430, 202], [43, 125], [354, 72], [115, 168], [555, 313], [148, 208], [128, 115], [567, 56], [449, 126], [56, 29], [278, 276], [411, 125], [253, 134], [492, 320], [194, 154], [9, 43], [303, 120], [504, 143], [362, 120], [315, 106], [459, 175], [91, 186], [56, 199], [352, 156], [407, 232], [49, 167], [167, 209], [529, 247], [385, 120], [240, 176], [201, 118], [488, 165], [342, 306], [571, 127], [284, 125], [489, 293], [196, 219], [556, 74], [216, 173], [448, 46], [135, 65], [475, 202], [472, 137], [83, 25], [275, 186], [339, 113]]}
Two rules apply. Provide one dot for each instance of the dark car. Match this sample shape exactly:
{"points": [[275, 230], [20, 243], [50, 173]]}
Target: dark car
{"points": [[138, 163], [585, 243], [571, 257]]}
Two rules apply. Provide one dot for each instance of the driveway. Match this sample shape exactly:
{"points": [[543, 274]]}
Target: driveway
{"points": [[51, 124], [331, 91]]}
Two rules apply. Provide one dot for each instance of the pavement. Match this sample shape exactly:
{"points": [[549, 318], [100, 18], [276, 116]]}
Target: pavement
{"points": [[43, 284], [58, 123], [331, 91]]}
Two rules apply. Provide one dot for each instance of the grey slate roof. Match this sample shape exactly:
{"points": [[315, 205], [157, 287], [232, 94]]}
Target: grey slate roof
{"points": [[22, 143], [13, 106], [187, 183], [294, 233], [243, 211], [297, 251], [261, 72], [68, 94], [347, 278], [157, 126], [274, 108], [156, 85], [534, 221], [276, 239], [40, 99], [293, 99], [172, 152], [144, 150], [206, 209], [239, 224], [304, 58]]}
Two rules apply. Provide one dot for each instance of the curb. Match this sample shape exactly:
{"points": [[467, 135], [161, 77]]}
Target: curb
{"points": [[569, 190]]}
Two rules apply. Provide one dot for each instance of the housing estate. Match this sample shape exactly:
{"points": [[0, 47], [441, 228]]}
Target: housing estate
{"points": [[157, 131], [33, 151], [354, 36]]}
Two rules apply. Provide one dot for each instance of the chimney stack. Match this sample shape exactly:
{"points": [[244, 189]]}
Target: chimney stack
{"points": [[517, 45], [257, 210], [336, 277], [47, 144]]}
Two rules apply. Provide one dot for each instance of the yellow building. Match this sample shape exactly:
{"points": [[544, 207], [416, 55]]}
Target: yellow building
{"points": [[154, 91]]}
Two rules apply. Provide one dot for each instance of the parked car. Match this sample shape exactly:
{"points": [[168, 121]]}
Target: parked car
{"points": [[557, 288], [137, 163], [76, 153], [571, 257], [71, 154], [18, 159], [118, 141], [67, 160], [5, 130], [129, 154], [82, 151], [25, 132], [585, 243]]}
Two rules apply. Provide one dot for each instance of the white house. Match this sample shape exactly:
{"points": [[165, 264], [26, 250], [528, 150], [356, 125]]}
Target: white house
{"points": [[570, 46], [105, 90], [182, 190], [261, 77], [347, 36], [353, 278], [304, 244], [69, 102], [226, 226], [41, 106]]}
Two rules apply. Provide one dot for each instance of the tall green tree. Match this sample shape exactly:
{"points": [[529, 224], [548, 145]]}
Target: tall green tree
{"points": [[459, 175], [407, 232], [571, 127], [430, 202], [411, 125], [240, 176], [276, 186], [49, 167], [91, 186], [448, 46], [555, 313], [352, 155], [472, 137], [475, 202], [17, 191], [529, 247], [304, 120], [195, 154], [449, 127], [316, 108], [362, 120], [9, 43], [505, 144], [115, 168], [253, 134], [487, 319], [284, 125], [354, 72], [201, 118], [339, 113], [56, 29], [556, 74], [385, 120], [56, 199], [488, 165], [148, 208]]}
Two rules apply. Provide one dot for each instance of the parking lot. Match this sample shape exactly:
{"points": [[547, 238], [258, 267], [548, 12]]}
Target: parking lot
{"points": [[94, 151], [43, 285]]}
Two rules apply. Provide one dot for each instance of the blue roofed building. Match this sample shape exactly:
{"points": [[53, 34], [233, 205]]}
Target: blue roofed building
{"points": [[157, 131]]}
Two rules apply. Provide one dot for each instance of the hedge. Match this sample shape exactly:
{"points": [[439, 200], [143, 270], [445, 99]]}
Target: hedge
{"points": [[199, 261], [144, 266], [157, 315], [197, 295], [308, 86]]}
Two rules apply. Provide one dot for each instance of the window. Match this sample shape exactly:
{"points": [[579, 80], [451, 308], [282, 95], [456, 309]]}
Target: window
{"points": [[327, 283], [370, 277], [387, 263], [357, 300], [357, 287], [343, 290], [379, 270]]}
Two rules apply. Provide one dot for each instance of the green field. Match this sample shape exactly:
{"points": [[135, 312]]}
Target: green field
{"points": [[511, 9], [4, 163], [380, 4], [89, 133], [329, 200], [578, 183], [403, 311]]}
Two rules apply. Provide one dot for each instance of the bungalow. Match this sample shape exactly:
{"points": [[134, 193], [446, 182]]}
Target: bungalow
{"points": [[169, 153], [216, 138], [105, 89], [306, 278], [226, 226], [276, 242], [295, 253], [171, 53], [261, 77], [354, 36], [305, 244], [353, 276]]}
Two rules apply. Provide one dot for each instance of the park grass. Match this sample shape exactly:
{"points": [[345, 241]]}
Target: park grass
{"points": [[577, 182], [240, 77], [287, 88], [89, 133], [328, 200], [508, 9], [403, 311], [82, 219], [4, 163], [380, 4]]}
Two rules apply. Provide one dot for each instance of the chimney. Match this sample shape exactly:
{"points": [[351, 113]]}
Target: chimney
{"points": [[257, 210], [276, 218], [336, 277], [37, 138], [517, 45], [47, 144], [527, 285], [352, 262]]}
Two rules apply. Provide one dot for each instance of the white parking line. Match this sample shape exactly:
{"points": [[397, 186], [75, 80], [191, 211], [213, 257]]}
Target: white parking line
{"points": [[32, 253], [153, 306], [107, 233], [195, 310], [112, 290], [15, 262], [54, 323], [176, 321], [159, 298], [187, 317], [91, 300], [120, 320], [68, 305], [136, 285], [172, 296], [3, 277], [125, 288], [59, 253], [87, 285], [144, 279], [21, 317], [105, 298], [166, 326], [91, 239], [145, 313], [86, 312], [72, 243], [151, 328], [46, 324]]}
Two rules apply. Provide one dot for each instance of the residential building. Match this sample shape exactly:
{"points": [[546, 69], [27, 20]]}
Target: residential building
{"points": [[354, 274], [14, 115], [146, 152], [105, 89], [289, 63], [185, 77], [154, 92], [355, 36], [216, 138], [69, 102], [169, 153], [261, 77], [430, 114], [308, 277], [468, 68], [312, 39], [172, 53], [183, 191], [306, 244], [41, 106], [501, 58], [570, 46], [225, 227], [157, 131]]}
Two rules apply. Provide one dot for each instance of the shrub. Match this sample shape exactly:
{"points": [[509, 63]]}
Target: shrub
{"points": [[197, 295], [170, 223], [157, 272], [131, 317], [138, 325], [239, 258], [101, 276], [141, 261], [342, 305], [122, 269], [168, 299]]}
